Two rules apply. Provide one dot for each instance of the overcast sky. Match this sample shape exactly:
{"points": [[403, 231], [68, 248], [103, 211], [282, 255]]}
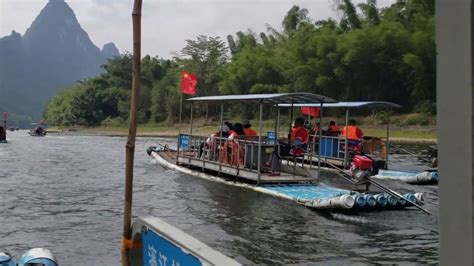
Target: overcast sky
{"points": [[166, 23]]}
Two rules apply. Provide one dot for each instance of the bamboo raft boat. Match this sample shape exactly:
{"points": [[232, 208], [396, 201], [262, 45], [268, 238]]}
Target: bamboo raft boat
{"points": [[298, 182], [295, 188]]}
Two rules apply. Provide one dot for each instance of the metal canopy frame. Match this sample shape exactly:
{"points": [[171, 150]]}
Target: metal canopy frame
{"points": [[269, 98], [365, 104], [347, 106], [272, 98]]}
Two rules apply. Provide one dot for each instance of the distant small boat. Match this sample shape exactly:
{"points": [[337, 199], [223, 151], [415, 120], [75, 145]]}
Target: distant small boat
{"points": [[38, 129], [37, 132], [12, 128]]}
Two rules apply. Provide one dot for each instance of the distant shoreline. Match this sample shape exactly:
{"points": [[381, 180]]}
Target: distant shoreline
{"points": [[205, 131]]}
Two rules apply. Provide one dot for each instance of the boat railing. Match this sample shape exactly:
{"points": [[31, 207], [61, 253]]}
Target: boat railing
{"points": [[238, 152], [334, 147], [242, 154]]}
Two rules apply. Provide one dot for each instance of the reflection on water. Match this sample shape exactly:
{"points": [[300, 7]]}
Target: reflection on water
{"points": [[65, 193]]}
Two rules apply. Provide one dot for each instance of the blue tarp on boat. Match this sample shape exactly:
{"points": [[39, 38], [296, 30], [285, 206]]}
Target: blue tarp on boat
{"points": [[308, 192]]}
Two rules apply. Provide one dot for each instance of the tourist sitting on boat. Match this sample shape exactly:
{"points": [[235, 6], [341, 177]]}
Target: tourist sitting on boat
{"points": [[307, 125], [249, 132], [296, 146], [232, 152], [210, 144], [229, 125], [333, 127], [317, 128], [314, 133], [354, 135], [237, 131], [39, 131]]}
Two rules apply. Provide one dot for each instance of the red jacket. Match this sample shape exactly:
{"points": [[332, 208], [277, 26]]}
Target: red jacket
{"points": [[300, 133]]}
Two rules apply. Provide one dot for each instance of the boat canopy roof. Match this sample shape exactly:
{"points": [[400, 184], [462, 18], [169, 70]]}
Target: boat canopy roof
{"points": [[368, 105], [272, 98]]}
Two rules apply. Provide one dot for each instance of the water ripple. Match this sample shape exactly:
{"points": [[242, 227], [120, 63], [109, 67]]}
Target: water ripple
{"points": [[65, 193]]}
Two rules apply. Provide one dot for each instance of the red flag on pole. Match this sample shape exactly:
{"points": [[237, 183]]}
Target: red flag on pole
{"points": [[311, 111], [188, 83]]}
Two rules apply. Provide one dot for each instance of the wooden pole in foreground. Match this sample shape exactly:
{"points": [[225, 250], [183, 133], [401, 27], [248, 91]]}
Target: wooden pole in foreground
{"points": [[132, 131]]}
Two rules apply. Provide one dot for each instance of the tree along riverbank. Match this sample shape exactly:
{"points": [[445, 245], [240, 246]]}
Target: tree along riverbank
{"points": [[368, 53]]}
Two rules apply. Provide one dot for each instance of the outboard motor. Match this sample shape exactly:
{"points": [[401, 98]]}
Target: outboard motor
{"points": [[361, 168], [150, 150], [6, 260], [37, 257]]}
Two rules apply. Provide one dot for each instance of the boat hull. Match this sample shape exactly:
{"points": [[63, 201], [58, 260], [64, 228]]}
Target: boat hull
{"points": [[429, 177], [317, 196]]}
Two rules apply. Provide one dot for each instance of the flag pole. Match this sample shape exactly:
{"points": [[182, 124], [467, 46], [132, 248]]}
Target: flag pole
{"points": [[127, 243], [180, 111]]}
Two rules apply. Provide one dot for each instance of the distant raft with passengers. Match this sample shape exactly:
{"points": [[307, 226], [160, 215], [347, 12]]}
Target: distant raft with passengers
{"points": [[243, 161], [38, 129]]}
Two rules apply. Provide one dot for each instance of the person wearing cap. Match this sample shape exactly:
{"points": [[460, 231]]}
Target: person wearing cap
{"points": [[247, 128]]}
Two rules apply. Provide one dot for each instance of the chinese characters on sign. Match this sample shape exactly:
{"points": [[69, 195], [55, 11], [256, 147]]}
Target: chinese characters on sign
{"points": [[158, 251]]}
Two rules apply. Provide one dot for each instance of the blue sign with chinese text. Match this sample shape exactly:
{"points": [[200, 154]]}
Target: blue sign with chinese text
{"points": [[271, 137], [157, 251], [183, 141]]}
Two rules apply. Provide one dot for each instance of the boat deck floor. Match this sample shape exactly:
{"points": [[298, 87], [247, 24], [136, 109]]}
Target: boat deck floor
{"points": [[245, 173]]}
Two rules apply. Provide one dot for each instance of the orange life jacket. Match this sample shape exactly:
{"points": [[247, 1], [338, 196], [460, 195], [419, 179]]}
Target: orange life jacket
{"points": [[300, 132], [250, 132], [353, 132]]}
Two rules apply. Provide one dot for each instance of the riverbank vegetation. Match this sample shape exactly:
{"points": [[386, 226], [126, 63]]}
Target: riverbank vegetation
{"points": [[402, 127], [368, 54]]}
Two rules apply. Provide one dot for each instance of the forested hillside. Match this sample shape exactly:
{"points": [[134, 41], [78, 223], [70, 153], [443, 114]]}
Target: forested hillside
{"points": [[369, 54]]}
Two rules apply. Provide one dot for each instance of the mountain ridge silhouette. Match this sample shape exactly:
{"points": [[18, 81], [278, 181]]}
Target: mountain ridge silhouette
{"points": [[53, 53]]}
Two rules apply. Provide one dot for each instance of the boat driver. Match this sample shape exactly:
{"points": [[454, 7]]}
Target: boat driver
{"points": [[354, 135], [352, 131]]}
